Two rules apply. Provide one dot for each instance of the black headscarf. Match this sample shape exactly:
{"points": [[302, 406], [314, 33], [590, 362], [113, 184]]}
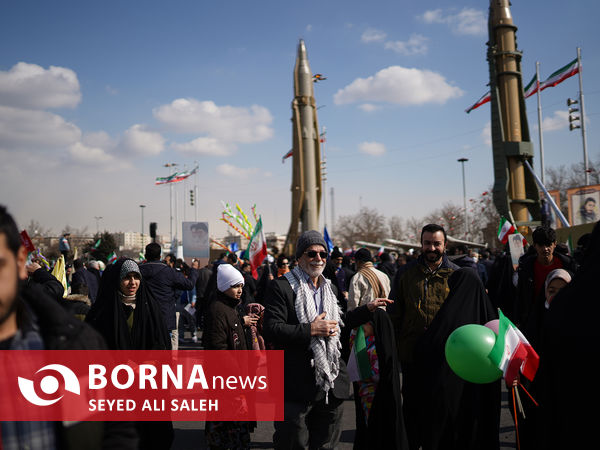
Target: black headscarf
{"points": [[454, 413], [569, 382], [109, 316]]}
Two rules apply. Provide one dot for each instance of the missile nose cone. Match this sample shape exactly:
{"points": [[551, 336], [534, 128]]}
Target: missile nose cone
{"points": [[301, 50]]}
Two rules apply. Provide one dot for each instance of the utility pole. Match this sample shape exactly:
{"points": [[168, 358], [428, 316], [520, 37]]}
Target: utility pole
{"points": [[462, 161], [142, 209]]}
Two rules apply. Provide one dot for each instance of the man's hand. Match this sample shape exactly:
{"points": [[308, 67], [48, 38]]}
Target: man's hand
{"points": [[32, 267], [322, 327], [372, 305]]}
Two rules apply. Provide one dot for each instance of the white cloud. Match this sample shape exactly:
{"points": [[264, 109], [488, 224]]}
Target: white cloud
{"points": [[373, 35], [139, 140], [221, 127], [204, 146], [372, 148], [486, 134], [468, 21], [399, 85], [369, 107], [89, 155], [232, 171], [558, 121], [415, 45], [26, 129], [31, 86]]}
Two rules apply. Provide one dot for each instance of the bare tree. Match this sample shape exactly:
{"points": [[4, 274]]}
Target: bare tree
{"points": [[367, 225], [36, 229], [396, 228]]}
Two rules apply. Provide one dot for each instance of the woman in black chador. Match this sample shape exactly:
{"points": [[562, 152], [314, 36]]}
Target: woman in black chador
{"points": [[456, 414], [569, 386], [128, 317]]}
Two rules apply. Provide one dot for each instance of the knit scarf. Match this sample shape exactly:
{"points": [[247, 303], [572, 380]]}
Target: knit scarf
{"points": [[367, 272], [326, 350]]}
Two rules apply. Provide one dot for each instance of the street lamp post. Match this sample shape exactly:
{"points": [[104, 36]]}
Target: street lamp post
{"points": [[98, 218], [462, 161], [142, 208]]}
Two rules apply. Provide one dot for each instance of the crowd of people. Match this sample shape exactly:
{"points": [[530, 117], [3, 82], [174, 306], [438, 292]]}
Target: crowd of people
{"points": [[351, 325]]}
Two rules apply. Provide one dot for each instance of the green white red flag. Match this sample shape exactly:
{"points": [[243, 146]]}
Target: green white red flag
{"points": [[257, 248], [505, 229], [531, 87], [512, 352], [111, 258], [359, 365], [561, 75], [482, 101]]}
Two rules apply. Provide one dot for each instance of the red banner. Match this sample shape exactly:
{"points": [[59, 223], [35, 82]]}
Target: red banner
{"points": [[26, 241], [190, 385]]}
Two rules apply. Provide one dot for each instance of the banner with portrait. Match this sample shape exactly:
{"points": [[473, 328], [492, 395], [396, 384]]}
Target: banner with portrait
{"points": [[196, 243], [584, 203]]}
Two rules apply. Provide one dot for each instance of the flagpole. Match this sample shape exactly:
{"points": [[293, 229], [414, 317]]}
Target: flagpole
{"points": [[582, 120], [196, 193], [539, 111], [324, 176]]}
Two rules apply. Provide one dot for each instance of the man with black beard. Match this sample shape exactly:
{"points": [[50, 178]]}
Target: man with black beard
{"points": [[418, 292], [31, 320]]}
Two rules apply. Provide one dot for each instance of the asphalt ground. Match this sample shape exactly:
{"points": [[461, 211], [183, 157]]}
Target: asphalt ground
{"points": [[190, 435]]}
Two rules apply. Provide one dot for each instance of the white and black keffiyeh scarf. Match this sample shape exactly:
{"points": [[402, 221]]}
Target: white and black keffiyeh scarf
{"points": [[326, 350]]}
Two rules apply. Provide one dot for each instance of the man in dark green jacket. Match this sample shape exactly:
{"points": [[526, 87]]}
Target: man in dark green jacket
{"points": [[419, 292]]}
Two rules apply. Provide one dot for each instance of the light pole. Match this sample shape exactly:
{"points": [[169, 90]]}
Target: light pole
{"points": [[98, 218], [142, 208], [462, 161]]}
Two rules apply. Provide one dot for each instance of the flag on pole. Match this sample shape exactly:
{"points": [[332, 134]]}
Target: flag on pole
{"points": [[531, 87], [505, 229], [97, 244], [482, 101], [561, 75], [111, 258], [380, 251], [287, 155], [513, 353], [257, 248], [328, 240]]}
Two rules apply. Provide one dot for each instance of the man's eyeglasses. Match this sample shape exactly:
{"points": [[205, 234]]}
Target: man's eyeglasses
{"points": [[314, 253]]}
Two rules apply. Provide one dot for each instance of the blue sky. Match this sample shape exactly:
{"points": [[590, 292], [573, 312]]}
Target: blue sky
{"points": [[95, 97]]}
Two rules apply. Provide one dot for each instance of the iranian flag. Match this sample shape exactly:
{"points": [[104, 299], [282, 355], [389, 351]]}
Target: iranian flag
{"points": [[482, 101], [561, 75], [504, 230], [531, 87], [513, 353], [257, 248], [359, 366], [111, 258]]}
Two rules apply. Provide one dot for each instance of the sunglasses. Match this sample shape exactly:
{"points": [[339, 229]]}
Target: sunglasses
{"points": [[314, 253]]}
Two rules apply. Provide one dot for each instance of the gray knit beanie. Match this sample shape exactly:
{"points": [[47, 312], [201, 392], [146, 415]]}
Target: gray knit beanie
{"points": [[129, 265], [308, 238]]}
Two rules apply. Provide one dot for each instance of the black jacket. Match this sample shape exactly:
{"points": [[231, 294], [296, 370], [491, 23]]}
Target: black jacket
{"points": [[223, 327], [282, 329], [163, 281], [61, 331]]}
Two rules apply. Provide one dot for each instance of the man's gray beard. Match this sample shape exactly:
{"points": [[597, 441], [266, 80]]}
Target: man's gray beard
{"points": [[311, 271]]}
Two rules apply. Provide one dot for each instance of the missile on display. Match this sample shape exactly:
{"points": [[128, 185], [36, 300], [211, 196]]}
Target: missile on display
{"points": [[306, 153], [516, 195]]}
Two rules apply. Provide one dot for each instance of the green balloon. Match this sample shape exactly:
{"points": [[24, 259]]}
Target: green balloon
{"points": [[467, 351]]}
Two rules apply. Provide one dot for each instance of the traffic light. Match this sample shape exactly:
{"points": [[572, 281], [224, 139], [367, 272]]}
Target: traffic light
{"points": [[191, 197], [573, 125]]}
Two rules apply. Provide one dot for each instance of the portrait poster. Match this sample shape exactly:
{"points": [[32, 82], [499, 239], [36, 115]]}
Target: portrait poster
{"points": [[584, 204], [196, 243]]}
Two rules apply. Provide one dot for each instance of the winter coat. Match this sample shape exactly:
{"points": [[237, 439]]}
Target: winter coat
{"points": [[418, 294], [223, 327], [163, 282], [61, 331]]}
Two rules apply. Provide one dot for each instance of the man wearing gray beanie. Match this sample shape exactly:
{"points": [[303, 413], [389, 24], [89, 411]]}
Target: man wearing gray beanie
{"points": [[303, 318]]}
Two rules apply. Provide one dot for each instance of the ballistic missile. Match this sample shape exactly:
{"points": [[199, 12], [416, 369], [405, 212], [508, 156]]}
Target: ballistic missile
{"points": [[516, 195], [306, 153]]}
